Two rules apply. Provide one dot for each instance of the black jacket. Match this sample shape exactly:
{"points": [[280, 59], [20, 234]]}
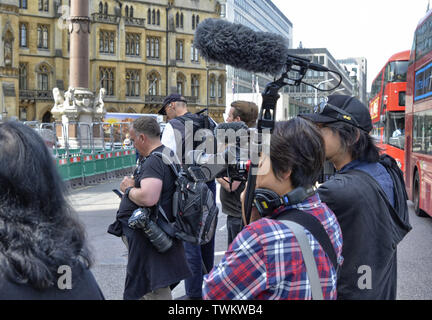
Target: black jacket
{"points": [[83, 287], [371, 230]]}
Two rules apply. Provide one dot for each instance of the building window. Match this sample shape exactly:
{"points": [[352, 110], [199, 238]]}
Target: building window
{"points": [[43, 78], [107, 42], [153, 17], [23, 83], [179, 20], [23, 35], [181, 84], [221, 85], [107, 80], [43, 36], [23, 114], [101, 7], [195, 85], [195, 21], [23, 4], [133, 83], [133, 44], [106, 8], [180, 50], [194, 54], [153, 80], [44, 5], [212, 86], [152, 47]]}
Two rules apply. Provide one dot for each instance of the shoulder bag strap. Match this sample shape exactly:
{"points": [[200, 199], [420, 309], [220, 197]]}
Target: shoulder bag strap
{"points": [[314, 226], [308, 258]]}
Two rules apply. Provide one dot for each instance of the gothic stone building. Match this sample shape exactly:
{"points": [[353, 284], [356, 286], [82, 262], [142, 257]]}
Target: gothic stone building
{"points": [[140, 51]]}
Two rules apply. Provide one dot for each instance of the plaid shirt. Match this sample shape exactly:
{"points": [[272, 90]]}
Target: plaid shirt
{"points": [[264, 262]]}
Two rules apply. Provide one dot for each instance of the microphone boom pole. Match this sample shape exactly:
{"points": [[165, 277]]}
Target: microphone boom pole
{"points": [[266, 121]]}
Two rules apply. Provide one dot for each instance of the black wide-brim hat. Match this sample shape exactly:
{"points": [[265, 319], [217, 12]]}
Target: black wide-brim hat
{"points": [[351, 105]]}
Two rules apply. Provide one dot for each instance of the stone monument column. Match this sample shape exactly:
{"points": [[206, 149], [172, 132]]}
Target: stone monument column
{"points": [[78, 108]]}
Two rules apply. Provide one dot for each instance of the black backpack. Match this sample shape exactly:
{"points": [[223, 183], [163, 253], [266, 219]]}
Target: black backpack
{"points": [[194, 208], [200, 121]]}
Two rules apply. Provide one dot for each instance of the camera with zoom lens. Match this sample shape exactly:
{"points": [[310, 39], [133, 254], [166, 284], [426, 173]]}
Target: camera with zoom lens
{"points": [[141, 219]]}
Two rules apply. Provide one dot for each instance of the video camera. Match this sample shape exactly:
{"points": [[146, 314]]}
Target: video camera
{"points": [[233, 162]]}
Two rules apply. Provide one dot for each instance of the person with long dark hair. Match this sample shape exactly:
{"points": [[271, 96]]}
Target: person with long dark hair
{"points": [[43, 250], [367, 195]]}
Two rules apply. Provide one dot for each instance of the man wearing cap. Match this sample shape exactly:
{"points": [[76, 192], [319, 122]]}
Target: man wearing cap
{"points": [[179, 135], [367, 195]]}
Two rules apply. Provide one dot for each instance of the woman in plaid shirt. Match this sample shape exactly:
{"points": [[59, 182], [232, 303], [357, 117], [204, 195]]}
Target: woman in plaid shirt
{"points": [[265, 261]]}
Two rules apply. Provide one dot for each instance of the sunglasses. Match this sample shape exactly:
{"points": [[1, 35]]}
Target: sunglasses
{"points": [[332, 111]]}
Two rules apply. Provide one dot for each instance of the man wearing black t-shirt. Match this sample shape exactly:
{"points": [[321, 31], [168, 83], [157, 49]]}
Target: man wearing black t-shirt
{"points": [[150, 274]]}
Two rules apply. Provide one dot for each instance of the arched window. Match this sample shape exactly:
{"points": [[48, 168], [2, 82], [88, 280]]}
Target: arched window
{"points": [[127, 11], [43, 78], [158, 17], [153, 84], [181, 20], [107, 80], [149, 16], [131, 12], [106, 8], [181, 84], [195, 85], [154, 16], [177, 20], [23, 76], [221, 85], [197, 21], [101, 7], [193, 22], [133, 83], [212, 86]]}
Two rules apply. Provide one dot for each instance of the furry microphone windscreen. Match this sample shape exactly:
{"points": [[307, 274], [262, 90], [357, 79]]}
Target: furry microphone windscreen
{"points": [[241, 47]]}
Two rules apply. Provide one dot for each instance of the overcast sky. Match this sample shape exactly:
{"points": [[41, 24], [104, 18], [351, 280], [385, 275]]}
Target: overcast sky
{"points": [[374, 29]]}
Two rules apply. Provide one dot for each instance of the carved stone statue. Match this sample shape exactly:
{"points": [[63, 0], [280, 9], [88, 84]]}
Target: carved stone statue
{"points": [[58, 99], [8, 53], [99, 103], [69, 97]]}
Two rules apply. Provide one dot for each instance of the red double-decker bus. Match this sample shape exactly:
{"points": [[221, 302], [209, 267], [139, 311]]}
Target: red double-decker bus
{"points": [[418, 120], [387, 106]]}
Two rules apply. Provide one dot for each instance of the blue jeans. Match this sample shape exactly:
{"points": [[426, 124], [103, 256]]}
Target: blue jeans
{"points": [[198, 258]]}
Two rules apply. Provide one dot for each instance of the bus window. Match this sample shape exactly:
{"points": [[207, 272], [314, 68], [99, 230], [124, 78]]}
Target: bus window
{"points": [[395, 129], [397, 71], [422, 135]]}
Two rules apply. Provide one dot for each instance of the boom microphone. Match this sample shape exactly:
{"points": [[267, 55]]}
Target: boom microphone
{"points": [[241, 47]]}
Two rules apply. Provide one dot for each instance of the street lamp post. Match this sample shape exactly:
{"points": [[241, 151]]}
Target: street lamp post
{"points": [[316, 90]]}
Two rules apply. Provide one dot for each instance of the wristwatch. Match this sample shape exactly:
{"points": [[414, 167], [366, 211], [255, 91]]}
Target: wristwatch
{"points": [[128, 189]]}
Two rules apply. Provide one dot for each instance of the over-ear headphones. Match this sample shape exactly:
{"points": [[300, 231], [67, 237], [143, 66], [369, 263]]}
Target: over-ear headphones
{"points": [[266, 201]]}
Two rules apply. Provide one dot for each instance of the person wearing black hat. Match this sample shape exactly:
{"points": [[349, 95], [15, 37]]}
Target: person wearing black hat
{"points": [[181, 128], [367, 195], [169, 106]]}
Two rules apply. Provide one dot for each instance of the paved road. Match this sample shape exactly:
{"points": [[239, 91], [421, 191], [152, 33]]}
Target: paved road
{"points": [[97, 206]]}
